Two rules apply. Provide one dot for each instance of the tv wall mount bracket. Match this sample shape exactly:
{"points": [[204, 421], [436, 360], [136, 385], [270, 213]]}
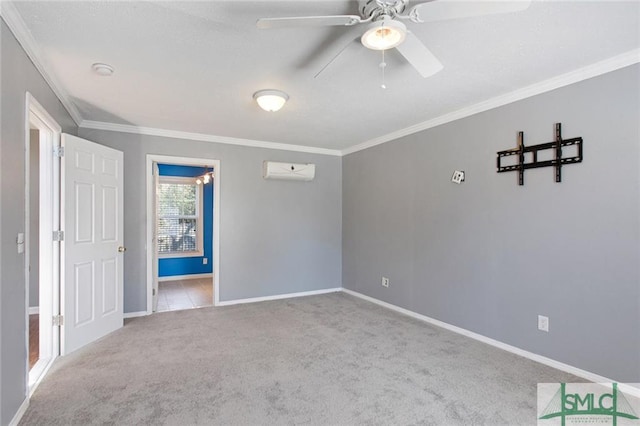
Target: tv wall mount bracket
{"points": [[557, 161]]}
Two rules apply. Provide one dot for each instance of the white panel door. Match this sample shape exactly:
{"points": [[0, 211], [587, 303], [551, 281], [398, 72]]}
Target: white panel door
{"points": [[92, 199]]}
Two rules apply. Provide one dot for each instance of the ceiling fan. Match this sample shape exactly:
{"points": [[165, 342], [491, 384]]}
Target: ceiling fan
{"points": [[385, 29]]}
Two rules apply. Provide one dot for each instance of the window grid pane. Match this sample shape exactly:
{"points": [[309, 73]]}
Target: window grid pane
{"points": [[176, 235], [177, 218], [177, 199]]}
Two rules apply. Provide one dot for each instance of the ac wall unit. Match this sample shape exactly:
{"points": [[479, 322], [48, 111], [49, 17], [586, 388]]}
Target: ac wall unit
{"points": [[289, 171]]}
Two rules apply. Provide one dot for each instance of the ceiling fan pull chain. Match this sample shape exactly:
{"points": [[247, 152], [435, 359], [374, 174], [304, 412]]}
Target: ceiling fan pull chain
{"points": [[383, 65]]}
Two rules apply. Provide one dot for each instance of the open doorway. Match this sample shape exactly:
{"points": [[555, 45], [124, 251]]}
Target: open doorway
{"points": [[183, 208], [42, 251], [184, 225], [34, 249]]}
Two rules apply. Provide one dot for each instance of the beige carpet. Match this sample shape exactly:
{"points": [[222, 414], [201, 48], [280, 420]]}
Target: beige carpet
{"points": [[321, 360]]}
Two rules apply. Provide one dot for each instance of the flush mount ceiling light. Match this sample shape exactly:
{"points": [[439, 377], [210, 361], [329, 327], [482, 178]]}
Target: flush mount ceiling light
{"points": [[104, 70], [270, 100], [384, 34]]}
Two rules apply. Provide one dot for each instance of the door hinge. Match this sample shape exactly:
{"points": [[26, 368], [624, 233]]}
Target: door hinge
{"points": [[58, 320], [153, 292], [58, 151], [58, 235]]}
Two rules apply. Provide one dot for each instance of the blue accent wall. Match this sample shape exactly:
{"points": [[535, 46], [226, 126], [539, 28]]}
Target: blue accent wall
{"points": [[191, 265]]}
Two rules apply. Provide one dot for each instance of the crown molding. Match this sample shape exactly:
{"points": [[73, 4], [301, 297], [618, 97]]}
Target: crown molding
{"points": [[17, 26], [19, 29], [608, 65], [176, 134]]}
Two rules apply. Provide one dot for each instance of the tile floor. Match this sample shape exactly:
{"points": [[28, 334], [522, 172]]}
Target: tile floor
{"points": [[184, 294]]}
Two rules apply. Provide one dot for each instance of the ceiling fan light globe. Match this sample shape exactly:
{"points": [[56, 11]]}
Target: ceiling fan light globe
{"points": [[270, 100], [384, 34]]}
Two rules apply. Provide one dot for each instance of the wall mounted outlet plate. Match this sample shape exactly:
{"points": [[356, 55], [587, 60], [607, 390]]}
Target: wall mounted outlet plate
{"points": [[543, 323]]}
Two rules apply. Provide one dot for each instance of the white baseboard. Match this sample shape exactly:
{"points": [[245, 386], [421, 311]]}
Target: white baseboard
{"points": [[279, 296], [34, 310], [135, 314], [21, 410], [40, 369], [628, 388], [184, 277]]}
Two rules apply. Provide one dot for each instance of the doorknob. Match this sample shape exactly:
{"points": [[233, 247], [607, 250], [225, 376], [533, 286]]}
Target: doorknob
{"points": [[122, 249]]}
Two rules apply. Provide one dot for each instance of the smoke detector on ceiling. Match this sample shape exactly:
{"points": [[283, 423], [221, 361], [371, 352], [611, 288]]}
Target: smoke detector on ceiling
{"points": [[104, 70]]}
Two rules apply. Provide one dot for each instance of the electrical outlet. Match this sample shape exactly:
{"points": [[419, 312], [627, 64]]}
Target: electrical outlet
{"points": [[543, 323], [205, 260], [385, 282]]}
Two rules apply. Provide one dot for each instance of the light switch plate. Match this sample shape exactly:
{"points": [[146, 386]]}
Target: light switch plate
{"points": [[20, 242]]}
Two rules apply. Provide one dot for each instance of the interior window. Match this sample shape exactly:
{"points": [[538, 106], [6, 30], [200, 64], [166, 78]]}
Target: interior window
{"points": [[179, 217]]}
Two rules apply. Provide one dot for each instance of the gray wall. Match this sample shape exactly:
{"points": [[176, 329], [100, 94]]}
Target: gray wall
{"points": [[486, 255], [489, 255], [18, 75], [276, 237]]}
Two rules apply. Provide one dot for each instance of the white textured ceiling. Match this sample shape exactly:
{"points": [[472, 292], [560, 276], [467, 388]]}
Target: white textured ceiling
{"points": [[193, 66]]}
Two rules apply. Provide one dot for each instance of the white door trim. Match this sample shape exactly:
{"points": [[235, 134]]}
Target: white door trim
{"points": [[49, 254], [151, 257]]}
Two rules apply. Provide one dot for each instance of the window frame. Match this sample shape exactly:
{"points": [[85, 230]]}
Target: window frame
{"points": [[184, 180]]}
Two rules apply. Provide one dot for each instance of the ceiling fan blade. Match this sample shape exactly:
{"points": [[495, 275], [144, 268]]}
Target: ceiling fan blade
{"points": [[442, 10], [419, 56], [308, 21]]}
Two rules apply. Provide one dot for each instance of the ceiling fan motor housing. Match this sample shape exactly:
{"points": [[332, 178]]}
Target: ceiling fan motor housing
{"points": [[377, 8]]}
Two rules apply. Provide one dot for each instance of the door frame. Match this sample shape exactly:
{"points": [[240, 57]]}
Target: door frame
{"points": [[49, 252], [152, 257]]}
